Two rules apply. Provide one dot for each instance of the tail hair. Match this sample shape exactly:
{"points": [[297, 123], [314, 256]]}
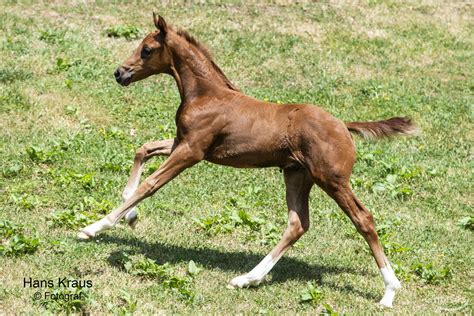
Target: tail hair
{"points": [[385, 128]]}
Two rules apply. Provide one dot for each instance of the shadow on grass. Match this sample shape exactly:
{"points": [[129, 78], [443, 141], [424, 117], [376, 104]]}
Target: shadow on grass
{"points": [[238, 262]]}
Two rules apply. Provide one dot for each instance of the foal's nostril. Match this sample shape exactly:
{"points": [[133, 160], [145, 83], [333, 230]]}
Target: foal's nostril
{"points": [[123, 75]]}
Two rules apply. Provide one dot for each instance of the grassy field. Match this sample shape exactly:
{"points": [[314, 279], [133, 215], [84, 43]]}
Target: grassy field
{"points": [[68, 134]]}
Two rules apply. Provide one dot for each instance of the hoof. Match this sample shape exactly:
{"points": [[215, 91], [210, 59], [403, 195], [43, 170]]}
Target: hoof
{"points": [[389, 295], [83, 236], [243, 281], [131, 218], [386, 304], [132, 222], [92, 230]]}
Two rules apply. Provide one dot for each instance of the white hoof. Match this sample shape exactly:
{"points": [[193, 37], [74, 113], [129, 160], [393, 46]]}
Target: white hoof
{"points": [[132, 219], [389, 295], [243, 281], [133, 223], [83, 236], [386, 303], [91, 230]]}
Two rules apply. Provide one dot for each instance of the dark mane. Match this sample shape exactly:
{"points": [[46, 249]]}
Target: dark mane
{"points": [[205, 51]]}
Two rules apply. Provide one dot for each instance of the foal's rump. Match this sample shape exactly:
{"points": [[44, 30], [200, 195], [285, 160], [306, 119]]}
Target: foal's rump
{"points": [[322, 143]]}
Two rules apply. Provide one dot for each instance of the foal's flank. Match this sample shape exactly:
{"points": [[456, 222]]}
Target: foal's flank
{"points": [[217, 122]]}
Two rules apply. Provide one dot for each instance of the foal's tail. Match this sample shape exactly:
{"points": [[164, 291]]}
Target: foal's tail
{"points": [[386, 128]]}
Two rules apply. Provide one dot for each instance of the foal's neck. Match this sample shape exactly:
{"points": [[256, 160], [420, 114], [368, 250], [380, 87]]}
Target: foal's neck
{"points": [[195, 73]]}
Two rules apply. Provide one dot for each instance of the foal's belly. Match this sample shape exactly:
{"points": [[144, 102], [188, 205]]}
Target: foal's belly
{"points": [[249, 154], [250, 161]]}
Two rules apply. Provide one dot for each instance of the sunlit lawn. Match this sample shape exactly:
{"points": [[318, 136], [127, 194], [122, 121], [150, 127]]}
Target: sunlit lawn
{"points": [[68, 134]]}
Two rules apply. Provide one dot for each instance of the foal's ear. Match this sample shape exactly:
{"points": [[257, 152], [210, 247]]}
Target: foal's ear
{"points": [[160, 23]]}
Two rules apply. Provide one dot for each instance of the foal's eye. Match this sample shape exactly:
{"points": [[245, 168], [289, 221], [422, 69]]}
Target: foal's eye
{"points": [[146, 52]]}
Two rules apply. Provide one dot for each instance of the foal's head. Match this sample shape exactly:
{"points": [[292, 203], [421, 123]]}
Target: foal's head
{"points": [[151, 57]]}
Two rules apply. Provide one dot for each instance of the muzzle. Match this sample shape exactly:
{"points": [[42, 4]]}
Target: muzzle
{"points": [[123, 75]]}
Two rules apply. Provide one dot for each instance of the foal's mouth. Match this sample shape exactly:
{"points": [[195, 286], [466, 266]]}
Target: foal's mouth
{"points": [[125, 81], [124, 78]]}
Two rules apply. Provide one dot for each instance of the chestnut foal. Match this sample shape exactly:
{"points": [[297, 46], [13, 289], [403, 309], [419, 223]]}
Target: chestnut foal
{"points": [[218, 123]]}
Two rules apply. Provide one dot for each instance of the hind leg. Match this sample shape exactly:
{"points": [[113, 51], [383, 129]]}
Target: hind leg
{"points": [[298, 185], [364, 222], [324, 146]]}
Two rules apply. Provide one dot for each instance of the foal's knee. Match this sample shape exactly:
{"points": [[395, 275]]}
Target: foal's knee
{"points": [[141, 153]]}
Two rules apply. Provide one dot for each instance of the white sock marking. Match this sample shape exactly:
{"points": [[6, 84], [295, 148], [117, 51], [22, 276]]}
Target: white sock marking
{"points": [[262, 269], [256, 275], [97, 227], [128, 192], [391, 285]]}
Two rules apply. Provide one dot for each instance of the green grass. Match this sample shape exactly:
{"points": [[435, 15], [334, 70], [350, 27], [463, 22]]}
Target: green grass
{"points": [[69, 132]]}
